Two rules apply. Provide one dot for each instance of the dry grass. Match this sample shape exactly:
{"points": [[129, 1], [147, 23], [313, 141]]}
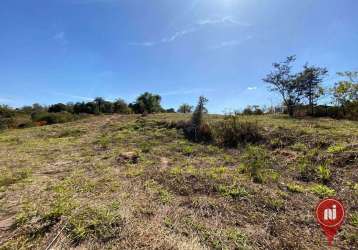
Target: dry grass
{"points": [[130, 182]]}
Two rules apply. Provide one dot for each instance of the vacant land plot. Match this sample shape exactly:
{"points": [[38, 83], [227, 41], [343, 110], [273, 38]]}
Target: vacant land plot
{"points": [[131, 182]]}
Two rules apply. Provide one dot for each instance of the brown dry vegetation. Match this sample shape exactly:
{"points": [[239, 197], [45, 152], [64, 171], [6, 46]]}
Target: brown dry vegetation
{"points": [[131, 182]]}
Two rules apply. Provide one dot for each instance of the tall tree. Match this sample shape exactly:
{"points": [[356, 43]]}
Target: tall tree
{"points": [[197, 118], [346, 91], [310, 80], [281, 80], [147, 102], [100, 103], [121, 107], [185, 108]]}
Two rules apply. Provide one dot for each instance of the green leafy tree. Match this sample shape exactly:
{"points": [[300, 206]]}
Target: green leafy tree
{"points": [[185, 108], [345, 92], [281, 80], [170, 110], [107, 107], [147, 103], [59, 107], [100, 103], [310, 80], [121, 107]]}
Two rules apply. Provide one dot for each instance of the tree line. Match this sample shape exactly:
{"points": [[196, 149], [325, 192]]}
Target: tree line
{"points": [[302, 90]]}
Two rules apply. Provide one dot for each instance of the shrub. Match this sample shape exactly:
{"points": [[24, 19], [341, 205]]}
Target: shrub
{"points": [[334, 149], [234, 191], [147, 103], [52, 118], [201, 133], [197, 129], [255, 162], [323, 173], [185, 108], [231, 132], [59, 107], [197, 118], [121, 107]]}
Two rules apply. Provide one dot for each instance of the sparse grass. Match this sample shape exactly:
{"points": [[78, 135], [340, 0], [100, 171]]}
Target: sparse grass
{"points": [[295, 188], [132, 182], [324, 173], [164, 195], [9, 177], [322, 190], [256, 162], [96, 223], [354, 219], [334, 149], [234, 192]]}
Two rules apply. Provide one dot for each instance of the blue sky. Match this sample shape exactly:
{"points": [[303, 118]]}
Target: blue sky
{"points": [[74, 50]]}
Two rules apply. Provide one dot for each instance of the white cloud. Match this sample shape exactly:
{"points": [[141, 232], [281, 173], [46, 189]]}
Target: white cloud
{"points": [[169, 39], [144, 44], [226, 19], [61, 38], [194, 28], [77, 97], [252, 88], [178, 35]]}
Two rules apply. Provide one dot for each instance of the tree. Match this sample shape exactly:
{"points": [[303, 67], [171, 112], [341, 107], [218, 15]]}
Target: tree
{"points": [[121, 107], [346, 91], [197, 118], [107, 107], [147, 103], [99, 102], [56, 108], [185, 108], [285, 83], [247, 111], [310, 80], [38, 107], [170, 110]]}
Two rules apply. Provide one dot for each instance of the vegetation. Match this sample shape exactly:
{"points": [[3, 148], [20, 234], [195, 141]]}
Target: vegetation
{"points": [[185, 108], [144, 185], [166, 180]]}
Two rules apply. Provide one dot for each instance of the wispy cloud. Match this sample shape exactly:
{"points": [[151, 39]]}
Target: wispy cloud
{"points": [[231, 43], [60, 37], [77, 97], [226, 19], [252, 88], [197, 26], [168, 39]]}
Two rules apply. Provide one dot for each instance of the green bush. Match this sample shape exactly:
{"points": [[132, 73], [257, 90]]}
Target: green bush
{"points": [[231, 132], [324, 173], [256, 162], [52, 118]]}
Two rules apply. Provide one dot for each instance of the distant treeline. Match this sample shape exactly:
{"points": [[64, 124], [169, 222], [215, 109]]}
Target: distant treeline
{"points": [[300, 93], [38, 115]]}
